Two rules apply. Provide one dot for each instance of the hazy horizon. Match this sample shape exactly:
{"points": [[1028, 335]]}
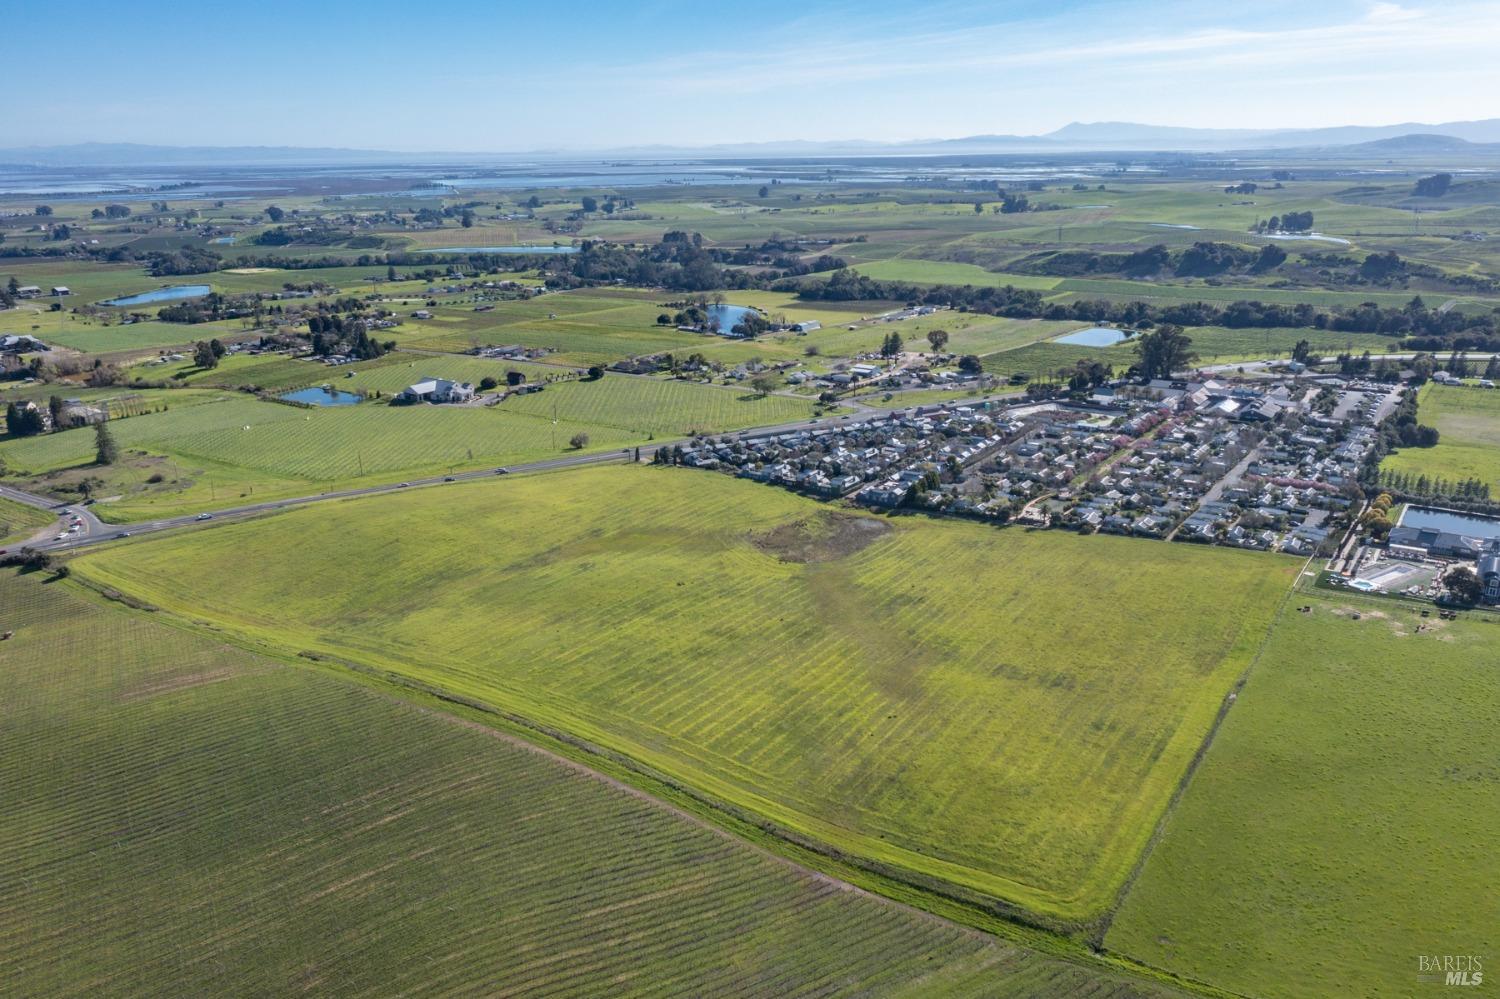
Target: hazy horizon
{"points": [[509, 79]]}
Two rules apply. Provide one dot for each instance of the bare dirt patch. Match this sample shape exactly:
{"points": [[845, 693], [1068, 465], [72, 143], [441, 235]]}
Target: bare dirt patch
{"points": [[821, 538], [176, 683]]}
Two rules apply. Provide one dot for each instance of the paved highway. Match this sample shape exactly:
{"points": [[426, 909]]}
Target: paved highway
{"points": [[92, 531]]}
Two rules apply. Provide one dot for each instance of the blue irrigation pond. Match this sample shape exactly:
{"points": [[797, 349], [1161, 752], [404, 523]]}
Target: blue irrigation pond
{"points": [[321, 395], [171, 294], [1094, 336]]}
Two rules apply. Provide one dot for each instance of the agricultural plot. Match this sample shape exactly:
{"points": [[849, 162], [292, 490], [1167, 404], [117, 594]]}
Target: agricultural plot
{"points": [[185, 817], [586, 330], [1468, 424], [642, 406], [89, 282], [238, 447], [912, 692], [19, 521], [387, 374], [1346, 818], [1122, 289], [1213, 344], [96, 338], [928, 397], [920, 271]]}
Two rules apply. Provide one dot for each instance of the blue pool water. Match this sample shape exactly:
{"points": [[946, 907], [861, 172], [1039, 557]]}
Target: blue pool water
{"points": [[549, 250], [320, 395], [1094, 336], [163, 295], [1468, 525]]}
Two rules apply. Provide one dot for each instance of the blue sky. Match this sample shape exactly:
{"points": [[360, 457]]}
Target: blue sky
{"points": [[501, 76]]}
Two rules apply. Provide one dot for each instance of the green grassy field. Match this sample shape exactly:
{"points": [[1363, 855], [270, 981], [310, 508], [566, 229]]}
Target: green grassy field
{"points": [[19, 521], [920, 271], [918, 702], [1347, 817], [1213, 344], [237, 447], [388, 374], [226, 446], [1468, 423], [642, 406], [586, 327], [932, 397], [188, 818]]}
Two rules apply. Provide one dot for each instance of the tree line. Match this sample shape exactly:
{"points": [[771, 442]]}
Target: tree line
{"points": [[1413, 319]]}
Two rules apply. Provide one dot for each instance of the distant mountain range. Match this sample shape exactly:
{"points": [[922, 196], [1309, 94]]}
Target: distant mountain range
{"points": [[1109, 135], [1480, 138]]}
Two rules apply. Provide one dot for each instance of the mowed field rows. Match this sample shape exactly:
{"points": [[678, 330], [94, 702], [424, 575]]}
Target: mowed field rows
{"points": [[1468, 424], [1004, 710], [183, 817], [19, 521], [1346, 818]]}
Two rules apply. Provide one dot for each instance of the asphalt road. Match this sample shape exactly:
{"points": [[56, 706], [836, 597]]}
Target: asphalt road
{"points": [[94, 531], [89, 526]]}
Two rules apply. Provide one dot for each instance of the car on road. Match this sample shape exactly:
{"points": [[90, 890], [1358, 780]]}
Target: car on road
{"points": [[502, 471], [449, 478], [62, 537], [204, 516], [405, 484], [123, 534]]}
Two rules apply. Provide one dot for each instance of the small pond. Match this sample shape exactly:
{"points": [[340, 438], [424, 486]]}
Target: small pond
{"points": [[1451, 521], [170, 294], [728, 315], [548, 250], [1094, 336], [321, 395]]}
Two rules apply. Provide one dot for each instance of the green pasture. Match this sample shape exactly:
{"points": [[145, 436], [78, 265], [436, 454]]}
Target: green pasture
{"points": [[19, 521], [665, 408], [238, 448], [1468, 422], [196, 448], [184, 817], [1213, 344], [929, 397], [925, 702], [920, 271], [1347, 817]]}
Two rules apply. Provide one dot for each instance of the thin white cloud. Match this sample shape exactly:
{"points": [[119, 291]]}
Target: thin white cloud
{"points": [[1391, 12], [988, 53]]}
